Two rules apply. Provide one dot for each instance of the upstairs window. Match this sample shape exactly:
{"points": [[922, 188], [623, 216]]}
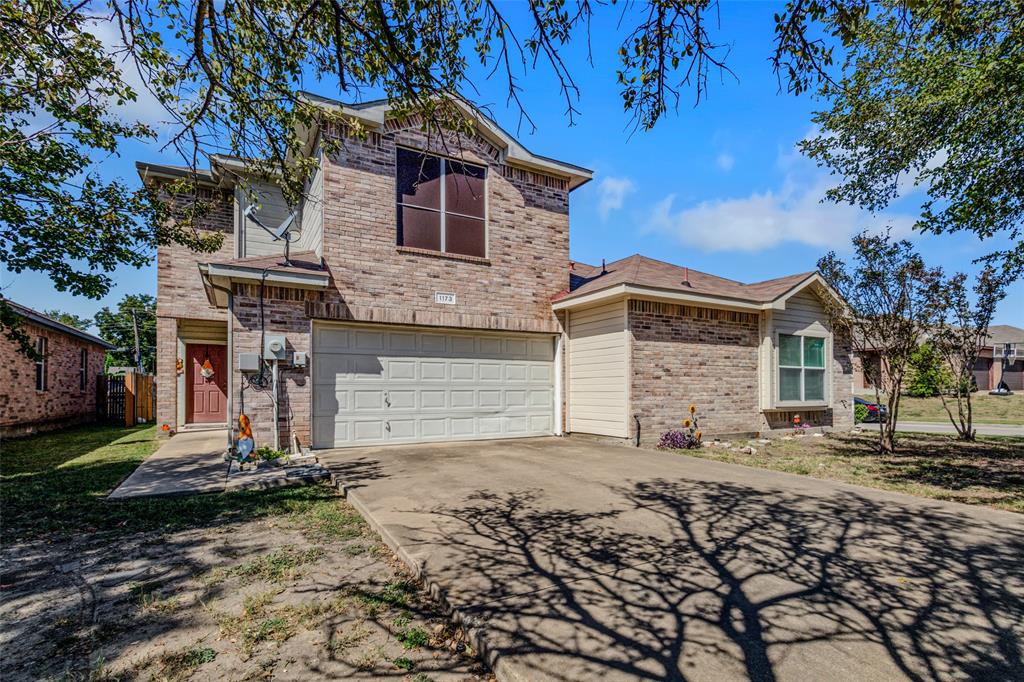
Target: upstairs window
{"points": [[801, 368], [41, 348], [441, 205], [83, 368]]}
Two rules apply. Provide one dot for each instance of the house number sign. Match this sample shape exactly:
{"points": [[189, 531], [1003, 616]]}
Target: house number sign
{"points": [[445, 298]]}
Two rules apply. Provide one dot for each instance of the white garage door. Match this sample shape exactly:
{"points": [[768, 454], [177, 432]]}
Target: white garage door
{"points": [[375, 385]]}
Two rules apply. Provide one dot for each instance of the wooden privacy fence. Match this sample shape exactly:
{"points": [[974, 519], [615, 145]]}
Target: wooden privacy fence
{"points": [[128, 398]]}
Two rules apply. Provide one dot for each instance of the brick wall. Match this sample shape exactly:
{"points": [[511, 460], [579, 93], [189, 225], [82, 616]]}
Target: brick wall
{"points": [[23, 409], [284, 312], [685, 354], [180, 295], [376, 281]]}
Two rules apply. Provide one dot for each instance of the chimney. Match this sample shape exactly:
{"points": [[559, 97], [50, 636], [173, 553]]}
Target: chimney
{"points": [[686, 278]]}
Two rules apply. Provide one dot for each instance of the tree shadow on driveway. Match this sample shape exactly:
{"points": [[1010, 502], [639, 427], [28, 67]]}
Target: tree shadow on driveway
{"points": [[698, 580]]}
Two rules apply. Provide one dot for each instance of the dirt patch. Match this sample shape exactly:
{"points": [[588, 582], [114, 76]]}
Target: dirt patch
{"points": [[305, 595]]}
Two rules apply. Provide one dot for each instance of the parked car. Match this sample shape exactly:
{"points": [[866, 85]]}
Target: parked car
{"points": [[876, 412]]}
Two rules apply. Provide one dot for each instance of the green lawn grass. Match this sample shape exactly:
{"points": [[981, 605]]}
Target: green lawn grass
{"points": [[989, 471], [57, 483], [986, 409]]}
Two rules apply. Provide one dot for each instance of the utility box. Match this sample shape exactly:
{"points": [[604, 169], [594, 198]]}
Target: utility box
{"points": [[248, 362], [274, 347], [299, 358]]}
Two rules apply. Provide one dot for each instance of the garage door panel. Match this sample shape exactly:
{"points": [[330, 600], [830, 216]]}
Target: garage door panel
{"points": [[372, 430], [367, 400], [401, 399], [402, 342], [327, 403], [368, 341], [433, 343], [489, 371], [401, 429], [433, 370], [463, 345], [378, 386], [433, 400], [434, 428]]}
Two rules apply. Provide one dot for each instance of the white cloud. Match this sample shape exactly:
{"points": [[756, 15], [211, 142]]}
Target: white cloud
{"points": [[790, 213], [613, 192], [725, 162], [146, 107]]}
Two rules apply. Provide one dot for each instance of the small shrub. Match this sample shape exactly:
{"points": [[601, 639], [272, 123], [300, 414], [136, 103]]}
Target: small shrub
{"points": [[686, 438], [677, 439], [403, 663], [267, 453], [860, 413], [926, 376]]}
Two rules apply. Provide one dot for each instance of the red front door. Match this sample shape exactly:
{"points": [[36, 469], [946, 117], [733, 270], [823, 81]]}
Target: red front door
{"points": [[206, 396]]}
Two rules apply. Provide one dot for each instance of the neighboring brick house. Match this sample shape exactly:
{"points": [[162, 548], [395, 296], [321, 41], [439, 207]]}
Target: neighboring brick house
{"points": [[57, 391], [419, 300], [1001, 359]]}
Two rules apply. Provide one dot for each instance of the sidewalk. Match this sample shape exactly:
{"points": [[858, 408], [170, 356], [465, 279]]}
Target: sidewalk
{"points": [[188, 463], [946, 427]]}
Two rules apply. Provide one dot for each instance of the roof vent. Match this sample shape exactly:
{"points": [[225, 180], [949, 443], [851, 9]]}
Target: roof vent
{"points": [[604, 270], [686, 278]]}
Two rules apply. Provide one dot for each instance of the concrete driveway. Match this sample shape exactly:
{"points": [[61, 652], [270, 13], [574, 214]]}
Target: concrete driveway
{"points": [[570, 560]]}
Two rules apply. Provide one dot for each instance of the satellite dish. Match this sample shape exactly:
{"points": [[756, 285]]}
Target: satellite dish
{"points": [[281, 233]]}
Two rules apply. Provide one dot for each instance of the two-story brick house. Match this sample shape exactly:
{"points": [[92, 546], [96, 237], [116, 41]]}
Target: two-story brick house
{"points": [[428, 295]]}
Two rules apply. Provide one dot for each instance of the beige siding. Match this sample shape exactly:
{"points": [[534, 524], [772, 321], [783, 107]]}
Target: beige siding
{"points": [[598, 371], [272, 210], [804, 314], [311, 236]]}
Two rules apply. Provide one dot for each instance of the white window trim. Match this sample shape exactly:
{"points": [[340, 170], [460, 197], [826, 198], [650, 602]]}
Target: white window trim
{"points": [[442, 210], [83, 369], [43, 348], [826, 402]]}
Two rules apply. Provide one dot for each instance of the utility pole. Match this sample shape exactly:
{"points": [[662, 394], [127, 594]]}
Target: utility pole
{"points": [[138, 352]]}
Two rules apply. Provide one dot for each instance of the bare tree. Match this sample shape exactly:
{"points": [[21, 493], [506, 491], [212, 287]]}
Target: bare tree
{"points": [[888, 304], [961, 331]]}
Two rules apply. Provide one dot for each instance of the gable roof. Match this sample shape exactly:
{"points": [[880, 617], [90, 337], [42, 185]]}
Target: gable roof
{"points": [[42, 320], [640, 272], [374, 114], [1005, 333]]}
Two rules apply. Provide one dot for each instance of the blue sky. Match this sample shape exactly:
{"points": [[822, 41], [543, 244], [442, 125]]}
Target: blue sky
{"points": [[718, 187]]}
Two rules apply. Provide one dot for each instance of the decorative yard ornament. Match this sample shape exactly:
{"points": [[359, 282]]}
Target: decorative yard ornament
{"points": [[245, 444], [207, 370]]}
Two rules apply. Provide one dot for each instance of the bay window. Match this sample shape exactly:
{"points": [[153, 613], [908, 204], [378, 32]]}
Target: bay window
{"points": [[440, 204], [801, 369]]}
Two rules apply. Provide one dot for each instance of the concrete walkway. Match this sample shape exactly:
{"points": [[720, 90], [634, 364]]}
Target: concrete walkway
{"points": [[570, 560], [188, 463], [946, 427]]}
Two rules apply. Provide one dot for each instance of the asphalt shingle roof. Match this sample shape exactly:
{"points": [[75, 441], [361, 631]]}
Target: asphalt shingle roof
{"points": [[642, 271]]}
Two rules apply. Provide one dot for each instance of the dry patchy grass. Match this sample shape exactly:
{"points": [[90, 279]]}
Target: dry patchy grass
{"points": [[987, 472]]}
